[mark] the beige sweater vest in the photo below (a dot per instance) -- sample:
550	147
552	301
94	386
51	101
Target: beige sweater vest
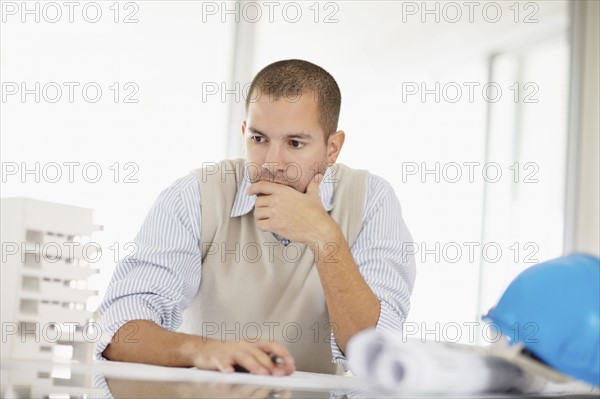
252	287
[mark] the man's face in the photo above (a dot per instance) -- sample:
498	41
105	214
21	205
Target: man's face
285	143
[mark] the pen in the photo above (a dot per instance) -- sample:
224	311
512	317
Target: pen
276	359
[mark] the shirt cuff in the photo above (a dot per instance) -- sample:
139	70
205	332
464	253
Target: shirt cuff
388	321
116	316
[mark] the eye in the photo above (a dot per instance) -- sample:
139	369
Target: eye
296	144
257	139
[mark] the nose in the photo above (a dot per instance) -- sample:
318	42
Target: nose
274	161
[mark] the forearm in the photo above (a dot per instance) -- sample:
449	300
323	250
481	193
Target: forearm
351	303
143	341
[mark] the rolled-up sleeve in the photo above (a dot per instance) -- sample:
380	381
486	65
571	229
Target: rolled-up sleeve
160	278
380	254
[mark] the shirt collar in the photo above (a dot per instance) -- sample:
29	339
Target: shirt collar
244	203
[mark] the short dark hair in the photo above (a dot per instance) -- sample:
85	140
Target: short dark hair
292	78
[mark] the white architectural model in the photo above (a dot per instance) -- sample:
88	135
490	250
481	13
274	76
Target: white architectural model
47	257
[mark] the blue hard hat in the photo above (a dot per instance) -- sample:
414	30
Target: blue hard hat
553	310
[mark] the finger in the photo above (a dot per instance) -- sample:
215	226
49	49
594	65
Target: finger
223	363
262	201
273	348
263	358
261	213
247	359
263	225
263	187
313	185
266	356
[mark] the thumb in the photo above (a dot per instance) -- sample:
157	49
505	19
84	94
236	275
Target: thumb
313	186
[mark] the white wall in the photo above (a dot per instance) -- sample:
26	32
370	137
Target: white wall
583	198
167	55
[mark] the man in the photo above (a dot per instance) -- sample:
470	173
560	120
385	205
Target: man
266	258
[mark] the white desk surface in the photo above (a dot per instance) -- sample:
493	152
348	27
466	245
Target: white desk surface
31	379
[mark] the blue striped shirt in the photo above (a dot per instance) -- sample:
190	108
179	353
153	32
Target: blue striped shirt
160	280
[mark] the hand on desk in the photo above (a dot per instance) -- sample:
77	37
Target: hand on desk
252	357
143	341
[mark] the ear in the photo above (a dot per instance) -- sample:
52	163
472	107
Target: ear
244	136
334	145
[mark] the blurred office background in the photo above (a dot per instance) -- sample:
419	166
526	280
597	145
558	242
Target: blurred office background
483	117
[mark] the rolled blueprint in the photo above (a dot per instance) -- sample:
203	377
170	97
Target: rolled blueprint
412	366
